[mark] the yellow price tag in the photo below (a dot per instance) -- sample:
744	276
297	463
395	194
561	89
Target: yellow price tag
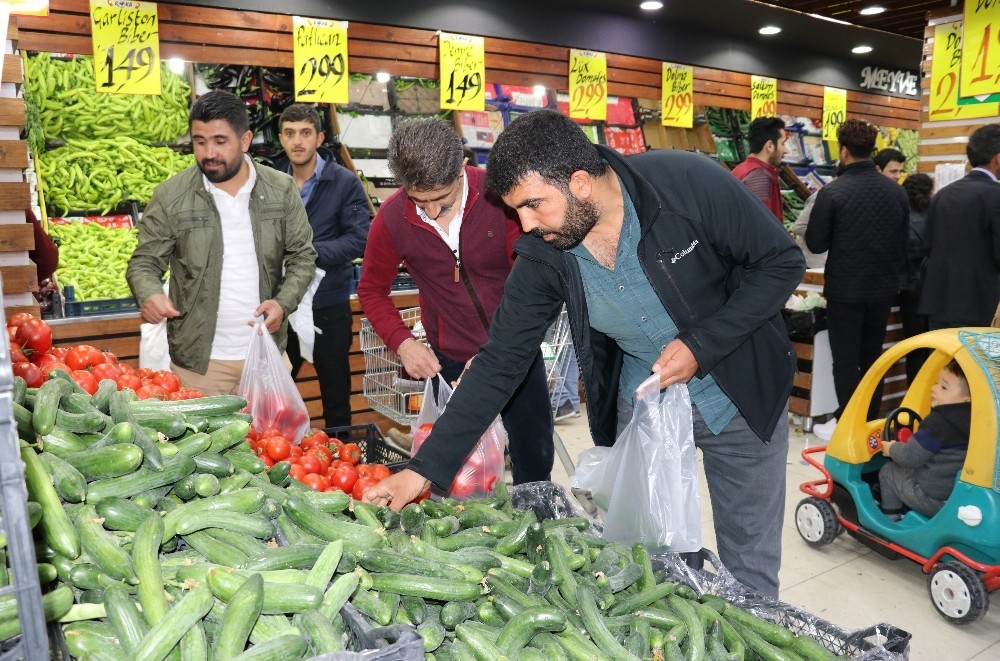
320	60
126	37
29	7
944	78
678	96
763	97
981	49
834	111
588	85
463	72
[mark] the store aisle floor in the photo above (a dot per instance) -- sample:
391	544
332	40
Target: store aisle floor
844	583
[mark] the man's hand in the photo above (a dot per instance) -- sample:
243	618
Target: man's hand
396	490
675	365
157	308
273	314
418	359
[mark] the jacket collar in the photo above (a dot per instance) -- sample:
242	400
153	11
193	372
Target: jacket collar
858	167
476	178
328	173
647	201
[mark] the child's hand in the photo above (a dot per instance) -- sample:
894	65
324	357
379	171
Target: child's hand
887	447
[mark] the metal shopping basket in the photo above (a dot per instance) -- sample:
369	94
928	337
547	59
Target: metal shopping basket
387	387
555	352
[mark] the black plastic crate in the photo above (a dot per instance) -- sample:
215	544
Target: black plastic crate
374	448
398	642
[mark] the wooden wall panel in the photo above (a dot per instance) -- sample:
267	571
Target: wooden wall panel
228	36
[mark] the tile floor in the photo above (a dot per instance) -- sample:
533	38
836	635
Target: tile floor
844	583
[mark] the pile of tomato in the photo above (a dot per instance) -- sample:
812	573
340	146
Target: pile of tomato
319	462
33	357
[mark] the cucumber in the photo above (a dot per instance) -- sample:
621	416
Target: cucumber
454	613
642	599
61	442
19	387
287	647
43	416
386	560
811	649
69	483
329	528
622	579
479	639
234	482
55	604
244	501
301	556
193	444
278	474
228	435
169	423
144	479
411	519
207	485
238	619
597	629
251	546
772	633
123	432
184	488
428	587
218	421
59	531
87	638
247	524
125	618
319	633
102	548
194	644
514	540
82	423
338	593
466	538
246	461
330	502
106	462
166	633
279	598
63	375
23	420
216	405
433	634
369	603
121	412
761	647
121	514
214	464
101	399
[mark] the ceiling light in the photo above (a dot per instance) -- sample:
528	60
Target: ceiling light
651	5
539	91
827	18
861	50
176	65
871	11
769	29
382	77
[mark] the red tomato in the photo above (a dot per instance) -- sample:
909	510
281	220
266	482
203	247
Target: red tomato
269	432
167	380
44	359
343	478
350	452
144	373
59	353
295	453
267	460
105	371
18	319
151	391
314	481
379	471
16	355
297	472
323	453
110	357
278	448
34	336
49	366
176	396
360	486
315	435
30	373
85	380
11	333
83	356
126	368
310	463
128	380
465	485
252	434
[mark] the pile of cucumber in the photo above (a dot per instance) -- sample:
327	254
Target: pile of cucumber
159	535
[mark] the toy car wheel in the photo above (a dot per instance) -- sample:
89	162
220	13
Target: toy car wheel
958	592
817	521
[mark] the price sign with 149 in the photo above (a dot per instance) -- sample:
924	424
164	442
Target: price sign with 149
463	72
126	47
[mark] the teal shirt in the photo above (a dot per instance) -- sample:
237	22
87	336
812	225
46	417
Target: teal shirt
622	305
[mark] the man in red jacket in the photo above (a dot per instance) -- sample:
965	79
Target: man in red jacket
457	244
759	173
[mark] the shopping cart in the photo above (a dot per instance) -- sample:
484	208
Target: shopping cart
556	350
386	385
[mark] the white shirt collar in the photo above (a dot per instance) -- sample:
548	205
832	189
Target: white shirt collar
244	189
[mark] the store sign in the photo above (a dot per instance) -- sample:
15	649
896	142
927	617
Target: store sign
898	82
834	111
463	72
678	96
126	38
29	7
944	100
588	85
320	60
763	97
980	67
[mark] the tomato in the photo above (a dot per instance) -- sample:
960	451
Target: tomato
269	432
350	452
151	391
34	336
343	478
49	366
16	355
323	453
278	448
110	357
11	333
144	373
30	373
85	380
314	481
125	368
59	353
379	471
105	371
267	460
295	453
44	359
167	380
128	380
466	484
297	471
363	483
315	436
252	434
83	356
18	319
309	463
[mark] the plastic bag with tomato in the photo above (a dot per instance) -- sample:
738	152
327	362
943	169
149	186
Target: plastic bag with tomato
483	466
272	397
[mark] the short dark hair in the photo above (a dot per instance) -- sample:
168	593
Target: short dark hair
763	129
300	112
886	156
220	104
984	144
858	136
957	370
425	154
919	188
544	142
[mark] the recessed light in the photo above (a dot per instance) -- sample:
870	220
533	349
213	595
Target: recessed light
176	65
538	90
829	18
651	5
382	77
769	29
871	11
861	50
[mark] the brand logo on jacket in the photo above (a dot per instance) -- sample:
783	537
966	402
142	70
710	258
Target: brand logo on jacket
678	256
893	82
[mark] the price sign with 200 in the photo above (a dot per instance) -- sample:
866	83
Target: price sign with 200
325	71
467	86
586	97
121	68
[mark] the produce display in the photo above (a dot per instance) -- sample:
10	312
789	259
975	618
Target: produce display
63	93
102	173
93	258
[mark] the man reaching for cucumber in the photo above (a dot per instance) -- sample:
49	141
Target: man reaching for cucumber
666	264
238	245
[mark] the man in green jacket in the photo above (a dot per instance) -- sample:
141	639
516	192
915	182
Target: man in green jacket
237	242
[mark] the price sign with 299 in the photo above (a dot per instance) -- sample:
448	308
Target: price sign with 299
126	46
320	60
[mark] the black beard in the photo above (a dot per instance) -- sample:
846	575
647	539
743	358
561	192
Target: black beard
579	219
227	172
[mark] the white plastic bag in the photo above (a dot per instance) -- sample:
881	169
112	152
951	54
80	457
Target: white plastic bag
154	352
301	321
647	483
272	397
484	465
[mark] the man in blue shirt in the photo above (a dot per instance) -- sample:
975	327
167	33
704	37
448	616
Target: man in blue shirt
339	214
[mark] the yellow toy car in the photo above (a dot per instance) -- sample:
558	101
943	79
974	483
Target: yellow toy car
959	547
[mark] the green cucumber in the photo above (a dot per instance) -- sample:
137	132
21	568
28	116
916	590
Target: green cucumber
338	593
300	556
101	399
772	633
428	587
387	560
19	388
248	524
319	633
238	619
480	640
59	531
228	435
328	527
121	514
326	565
144	479
279	598
169	631
123	432
287	647
125	618
193	444
214	463
61	442
102	548
43	416
55	604
216	405
247	461
597	629
207	485
107	462
81	423
70	484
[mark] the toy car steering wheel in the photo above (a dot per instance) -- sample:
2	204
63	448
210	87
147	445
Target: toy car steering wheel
894	426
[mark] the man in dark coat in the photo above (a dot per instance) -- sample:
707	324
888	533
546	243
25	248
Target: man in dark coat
962	282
